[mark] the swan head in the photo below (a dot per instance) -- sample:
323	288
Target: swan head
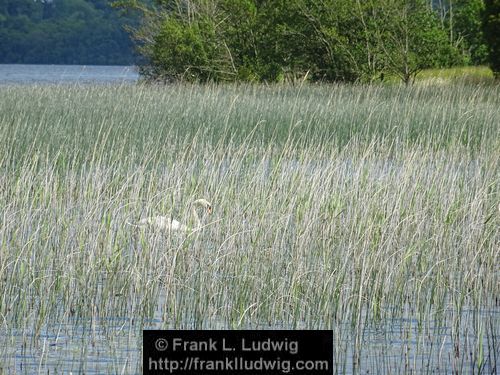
205	204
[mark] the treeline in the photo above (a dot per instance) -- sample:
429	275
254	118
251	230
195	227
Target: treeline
63	32
323	40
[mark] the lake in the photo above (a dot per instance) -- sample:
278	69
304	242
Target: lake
29	74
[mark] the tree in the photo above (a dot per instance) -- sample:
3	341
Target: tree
468	31
491	27
276	40
184	40
463	21
410	38
62	32
338	40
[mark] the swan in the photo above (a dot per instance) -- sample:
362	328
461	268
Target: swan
168	224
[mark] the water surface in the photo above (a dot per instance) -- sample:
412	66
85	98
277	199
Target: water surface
29	74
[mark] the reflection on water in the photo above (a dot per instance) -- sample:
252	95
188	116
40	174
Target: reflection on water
395	346
28	74
90	348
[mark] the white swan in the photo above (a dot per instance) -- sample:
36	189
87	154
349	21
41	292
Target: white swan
168	224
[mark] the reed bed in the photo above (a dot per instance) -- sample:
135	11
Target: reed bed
358	208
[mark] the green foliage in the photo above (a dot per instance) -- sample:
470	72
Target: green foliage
180	52
273	41
491	26
411	39
62	32
334	40
461	19
468	26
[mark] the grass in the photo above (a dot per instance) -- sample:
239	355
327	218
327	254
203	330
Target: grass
343	207
461	75
469	74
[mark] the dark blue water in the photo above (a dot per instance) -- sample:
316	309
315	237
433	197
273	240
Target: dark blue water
33	74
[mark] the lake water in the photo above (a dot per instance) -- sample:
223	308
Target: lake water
114	346
29	74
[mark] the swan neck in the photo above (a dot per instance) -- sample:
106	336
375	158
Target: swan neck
196	218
